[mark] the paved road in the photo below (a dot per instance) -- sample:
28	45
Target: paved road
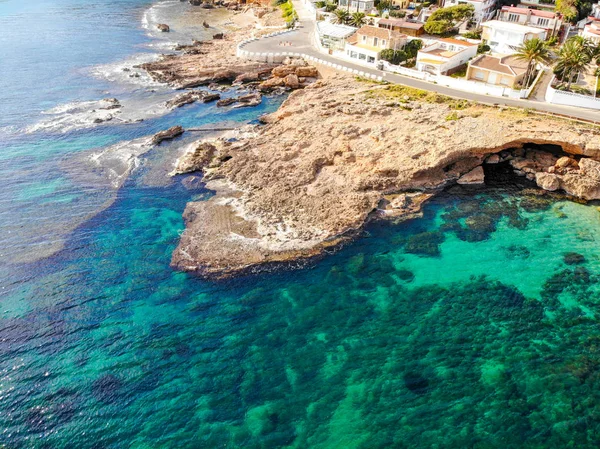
302	41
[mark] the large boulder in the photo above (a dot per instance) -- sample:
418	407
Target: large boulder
283	70
567	162
271	84
292	81
163	27
547	181
170	133
474	177
307	72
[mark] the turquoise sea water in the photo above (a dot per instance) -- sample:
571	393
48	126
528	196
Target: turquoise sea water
475	326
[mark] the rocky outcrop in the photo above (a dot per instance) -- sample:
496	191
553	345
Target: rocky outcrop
253	99
197	159
335	151
163	27
167	134
191	97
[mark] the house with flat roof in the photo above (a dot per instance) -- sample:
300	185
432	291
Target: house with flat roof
402	26
591	30
445	56
484	9
357	5
505	37
507	71
365	45
548	20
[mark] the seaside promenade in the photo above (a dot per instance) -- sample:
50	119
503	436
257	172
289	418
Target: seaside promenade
302	40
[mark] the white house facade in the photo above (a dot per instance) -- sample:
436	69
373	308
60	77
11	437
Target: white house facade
548	20
357	5
591	31
366	44
445	56
505	37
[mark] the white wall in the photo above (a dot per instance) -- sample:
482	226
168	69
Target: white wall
570	99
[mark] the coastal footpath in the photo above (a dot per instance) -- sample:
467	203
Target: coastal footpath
342	151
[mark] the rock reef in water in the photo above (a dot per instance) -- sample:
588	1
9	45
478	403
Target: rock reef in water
326	160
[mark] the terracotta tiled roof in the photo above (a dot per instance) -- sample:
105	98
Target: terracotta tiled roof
534	12
450	40
380	33
508	65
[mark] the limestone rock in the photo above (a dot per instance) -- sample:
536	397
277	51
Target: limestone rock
196	160
307	72
170	133
163	27
297	62
566	162
271	84
283	71
492	159
218	36
292	81
547	181
475	176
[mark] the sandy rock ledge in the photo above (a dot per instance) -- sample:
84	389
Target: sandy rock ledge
340	152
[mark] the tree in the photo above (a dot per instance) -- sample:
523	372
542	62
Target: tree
393	56
533	51
443	20
572	60
357	19
412	48
573	10
341	16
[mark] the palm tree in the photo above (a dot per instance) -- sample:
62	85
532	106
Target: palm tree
357	19
572	60
341	16
533	51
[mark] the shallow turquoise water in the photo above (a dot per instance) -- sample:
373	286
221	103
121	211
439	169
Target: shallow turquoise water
475	326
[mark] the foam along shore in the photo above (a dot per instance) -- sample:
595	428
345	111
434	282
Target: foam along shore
342	151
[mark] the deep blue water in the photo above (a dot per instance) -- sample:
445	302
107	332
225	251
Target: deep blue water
475	326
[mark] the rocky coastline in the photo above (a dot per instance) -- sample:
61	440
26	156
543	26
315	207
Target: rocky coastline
284	196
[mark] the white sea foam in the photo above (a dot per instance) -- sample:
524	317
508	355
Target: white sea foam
124	72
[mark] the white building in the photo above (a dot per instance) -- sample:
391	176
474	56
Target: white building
591	30
548	20
595	11
445	56
357	5
364	46
484	9
505	37
333	36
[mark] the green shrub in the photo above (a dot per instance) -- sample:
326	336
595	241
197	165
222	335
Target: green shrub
393	56
472	34
483	48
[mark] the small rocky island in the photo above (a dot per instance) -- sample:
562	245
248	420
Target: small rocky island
342	151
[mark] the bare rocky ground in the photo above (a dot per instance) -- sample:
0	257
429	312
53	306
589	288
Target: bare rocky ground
341	151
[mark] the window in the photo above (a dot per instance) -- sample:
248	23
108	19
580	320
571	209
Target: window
361	56
513	17
543	22
370	59
353	54
478	75
451	47
364	39
383	43
375	41
505	81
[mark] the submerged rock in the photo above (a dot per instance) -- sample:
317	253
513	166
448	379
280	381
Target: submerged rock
163	27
